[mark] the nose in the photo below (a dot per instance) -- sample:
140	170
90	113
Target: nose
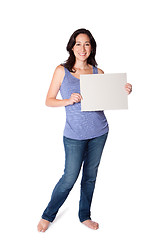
83	48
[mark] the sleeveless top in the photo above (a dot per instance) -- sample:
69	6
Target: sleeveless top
79	124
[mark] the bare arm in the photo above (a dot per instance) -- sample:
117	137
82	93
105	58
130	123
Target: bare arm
51	100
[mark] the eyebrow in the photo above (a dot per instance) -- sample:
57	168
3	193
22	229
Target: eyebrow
85	41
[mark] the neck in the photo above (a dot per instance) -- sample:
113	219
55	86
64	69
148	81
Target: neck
81	65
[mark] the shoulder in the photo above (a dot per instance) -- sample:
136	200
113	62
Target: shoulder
100	71
60	70
59	74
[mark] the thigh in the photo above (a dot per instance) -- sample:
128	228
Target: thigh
74	155
93	154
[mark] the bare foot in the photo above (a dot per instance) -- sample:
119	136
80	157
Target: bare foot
91	224
43	225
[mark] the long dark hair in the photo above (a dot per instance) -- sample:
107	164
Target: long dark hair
69	63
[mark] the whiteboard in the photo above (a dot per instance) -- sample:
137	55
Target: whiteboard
103	91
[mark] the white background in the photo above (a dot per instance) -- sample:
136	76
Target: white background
34	35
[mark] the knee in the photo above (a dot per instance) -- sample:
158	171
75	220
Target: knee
88	180
90	176
68	182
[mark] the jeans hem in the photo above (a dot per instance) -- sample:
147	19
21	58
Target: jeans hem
48	219
84	219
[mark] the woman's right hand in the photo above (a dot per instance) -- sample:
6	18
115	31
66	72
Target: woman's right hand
74	98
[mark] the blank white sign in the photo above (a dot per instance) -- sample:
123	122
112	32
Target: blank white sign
103	91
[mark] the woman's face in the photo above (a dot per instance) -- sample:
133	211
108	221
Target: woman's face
82	47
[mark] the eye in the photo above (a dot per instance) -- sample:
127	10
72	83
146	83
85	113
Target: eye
77	44
87	44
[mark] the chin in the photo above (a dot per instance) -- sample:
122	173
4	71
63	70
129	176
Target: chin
82	58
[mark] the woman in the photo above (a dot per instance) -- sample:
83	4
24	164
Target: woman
85	133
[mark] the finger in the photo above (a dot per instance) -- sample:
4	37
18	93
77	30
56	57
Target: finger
128	84
77	99
128	88
76	94
79	96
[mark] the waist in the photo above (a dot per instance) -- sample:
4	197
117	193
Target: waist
85	125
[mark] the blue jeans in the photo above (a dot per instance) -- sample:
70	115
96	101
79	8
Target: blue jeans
77	152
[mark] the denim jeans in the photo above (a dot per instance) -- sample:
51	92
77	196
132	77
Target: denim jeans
77	152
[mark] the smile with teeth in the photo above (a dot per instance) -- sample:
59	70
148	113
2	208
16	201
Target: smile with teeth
82	54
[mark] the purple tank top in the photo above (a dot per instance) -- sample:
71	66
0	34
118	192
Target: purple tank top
80	125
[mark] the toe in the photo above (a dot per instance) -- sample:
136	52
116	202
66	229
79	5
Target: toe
39	227
91	224
96	226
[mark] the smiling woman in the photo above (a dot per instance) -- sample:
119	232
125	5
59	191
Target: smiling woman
85	133
82	47
82	42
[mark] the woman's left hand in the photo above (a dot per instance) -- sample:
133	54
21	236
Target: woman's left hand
128	88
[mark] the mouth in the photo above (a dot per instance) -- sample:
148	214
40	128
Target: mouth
82	54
